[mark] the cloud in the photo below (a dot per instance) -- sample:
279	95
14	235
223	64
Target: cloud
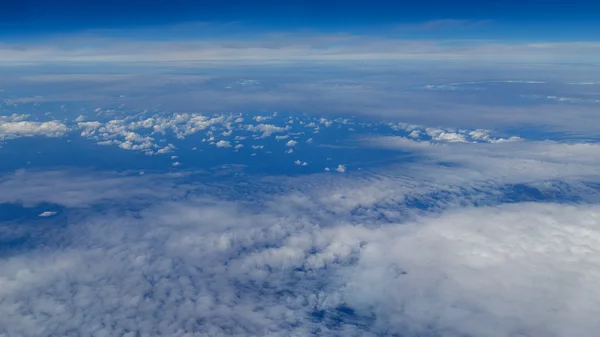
486	236
444	25
297	46
267	129
77	189
47	214
291	143
29	129
300	261
465	272
223	143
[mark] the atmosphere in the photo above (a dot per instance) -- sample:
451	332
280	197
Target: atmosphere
69	30
299	168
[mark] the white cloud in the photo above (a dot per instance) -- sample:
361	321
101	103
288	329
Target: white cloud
261	118
167	149
266	129
271	266
341	168
414	134
343	254
223	143
9	129
46	214
290	46
291	143
325	122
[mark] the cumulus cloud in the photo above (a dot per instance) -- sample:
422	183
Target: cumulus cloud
341	168
291	143
267	129
223	143
22	128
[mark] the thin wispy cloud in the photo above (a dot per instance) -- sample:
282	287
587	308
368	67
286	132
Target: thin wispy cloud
294	46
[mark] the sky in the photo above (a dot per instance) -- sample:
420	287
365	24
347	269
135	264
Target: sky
67	30
277	168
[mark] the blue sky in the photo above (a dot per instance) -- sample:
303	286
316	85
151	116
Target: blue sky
537	20
182	30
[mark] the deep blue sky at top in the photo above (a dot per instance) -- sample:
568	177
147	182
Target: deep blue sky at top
543	20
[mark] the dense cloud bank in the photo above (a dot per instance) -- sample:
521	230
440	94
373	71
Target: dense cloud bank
418	250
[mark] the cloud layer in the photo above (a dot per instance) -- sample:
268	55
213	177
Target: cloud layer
103	46
321	254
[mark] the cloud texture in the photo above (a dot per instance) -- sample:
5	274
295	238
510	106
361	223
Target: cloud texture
317	255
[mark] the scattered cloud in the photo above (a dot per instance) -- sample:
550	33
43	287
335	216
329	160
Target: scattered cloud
46	214
223	143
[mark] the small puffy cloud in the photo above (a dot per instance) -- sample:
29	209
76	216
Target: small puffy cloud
239	146
291	143
167	149
256	147
223	143
325	122
88	128
309	141
327	169
176	164
445	136
301	163
341	168
266	129
414	134
261	118
282	137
